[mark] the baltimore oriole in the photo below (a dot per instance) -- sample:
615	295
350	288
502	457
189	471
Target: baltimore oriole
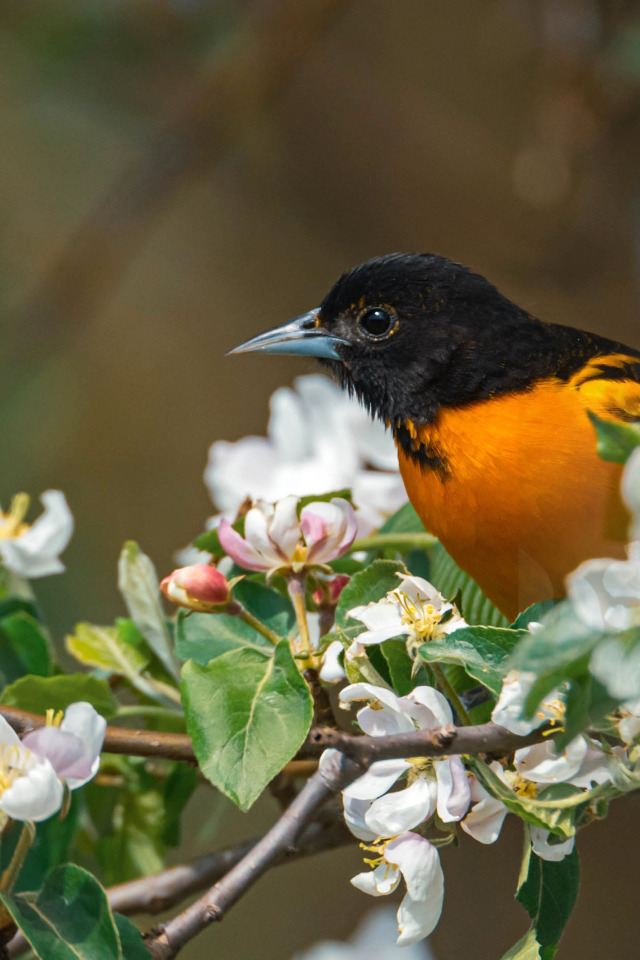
488	407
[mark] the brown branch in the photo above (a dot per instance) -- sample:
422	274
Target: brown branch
337	772
443	741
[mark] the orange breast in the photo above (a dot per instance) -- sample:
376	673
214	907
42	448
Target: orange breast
526	497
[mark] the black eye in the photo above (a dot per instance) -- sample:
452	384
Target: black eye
378	323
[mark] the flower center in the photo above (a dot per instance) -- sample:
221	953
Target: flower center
12	764
12	524
423	620
53	717
524	788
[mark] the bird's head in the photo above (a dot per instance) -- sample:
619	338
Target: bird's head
406	333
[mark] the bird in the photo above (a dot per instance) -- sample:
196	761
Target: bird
489	408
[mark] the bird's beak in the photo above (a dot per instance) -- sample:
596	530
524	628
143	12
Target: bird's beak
299	337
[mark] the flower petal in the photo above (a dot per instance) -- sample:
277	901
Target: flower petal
547	851
284	529
379	778
36	552
36	795
454	794
379	882
399	812
428	708
354	814
541	764
418	862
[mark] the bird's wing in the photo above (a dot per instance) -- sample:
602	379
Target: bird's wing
609	386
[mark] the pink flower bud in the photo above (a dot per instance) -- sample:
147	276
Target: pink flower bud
330	591
199	587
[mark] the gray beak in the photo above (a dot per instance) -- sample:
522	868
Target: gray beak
299	337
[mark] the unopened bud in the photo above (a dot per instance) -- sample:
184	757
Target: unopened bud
329	593
199	587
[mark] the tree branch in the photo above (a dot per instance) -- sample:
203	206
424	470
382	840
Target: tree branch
337	772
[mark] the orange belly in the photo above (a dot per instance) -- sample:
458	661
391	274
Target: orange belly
526	497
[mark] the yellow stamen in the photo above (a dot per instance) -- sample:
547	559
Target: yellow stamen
54	717
12	763
12	524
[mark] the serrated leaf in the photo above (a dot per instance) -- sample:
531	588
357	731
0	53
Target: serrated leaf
267	605
450	580
616	440
368	586
138	584
548	891
247	714
554	812
483	652
204	636
69	919
37	694
22	637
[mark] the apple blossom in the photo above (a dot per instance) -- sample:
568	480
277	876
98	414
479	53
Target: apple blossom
433	785
416	860
71	743
276	539
414	609
318	440
34	550
508	711
580	764
200	587
29	786
605	593
373	940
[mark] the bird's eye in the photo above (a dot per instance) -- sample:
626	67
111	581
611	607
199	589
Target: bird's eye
378	323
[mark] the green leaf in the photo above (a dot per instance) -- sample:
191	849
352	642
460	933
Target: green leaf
555	811
267	605
533	614
247	714
344	494
616	440
558	652
69	919
37	694
131	942
368	586
138	584
483	652
134	818
450	580
404	520
22	639
548	891
587	704
204	636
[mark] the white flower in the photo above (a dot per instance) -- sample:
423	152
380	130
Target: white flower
373	940
414	609
516	687
416	860
581	764
274	537
434	785
29	786
319	440
71	743
605	593
34	551
629	724
331	670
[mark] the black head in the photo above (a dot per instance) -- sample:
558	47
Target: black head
410	333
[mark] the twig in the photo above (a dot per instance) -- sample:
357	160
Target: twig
337	772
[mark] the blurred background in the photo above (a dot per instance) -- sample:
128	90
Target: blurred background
178	175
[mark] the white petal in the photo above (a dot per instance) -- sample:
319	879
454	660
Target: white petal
8	736
284	530
36	795
418	918
507	712
256	532
90	727
428	708
384	721
36	552
541	764
484	820
354	814
454	794
331	670
418	862
379	778
395	813
379	882
367	691
546	851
